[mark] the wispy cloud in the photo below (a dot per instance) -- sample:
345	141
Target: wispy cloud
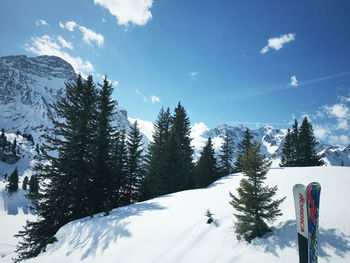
89	35
277	43
47	45
64	43
194	73
293	81
141	95
338	110
155	99
136	12
41	22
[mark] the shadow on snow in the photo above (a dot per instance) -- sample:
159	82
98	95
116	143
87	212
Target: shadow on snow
285	236
91	235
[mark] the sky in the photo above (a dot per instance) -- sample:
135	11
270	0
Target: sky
227	61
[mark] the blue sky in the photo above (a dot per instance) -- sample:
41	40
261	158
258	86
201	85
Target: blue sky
234	61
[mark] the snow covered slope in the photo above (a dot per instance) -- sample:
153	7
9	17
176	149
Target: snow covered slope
173	228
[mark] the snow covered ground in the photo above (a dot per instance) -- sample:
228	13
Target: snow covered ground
173	228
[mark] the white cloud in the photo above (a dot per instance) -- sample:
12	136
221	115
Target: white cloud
89	35
194	73
339	140
342	125
141	95
155	99
65	43
127	12
146	127
345	99
41	22
338	110
115	83
321	132
46	45
103	20
293	81
198	142
277	43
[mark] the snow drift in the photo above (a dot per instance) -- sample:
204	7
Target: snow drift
173	228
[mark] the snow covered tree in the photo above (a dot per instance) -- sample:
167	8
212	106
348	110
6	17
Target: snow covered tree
226	156
156	175
243	147
25	183
287	151
134	173
206	170
254	204
13	181
307	146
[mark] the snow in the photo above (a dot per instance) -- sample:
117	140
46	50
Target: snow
172	228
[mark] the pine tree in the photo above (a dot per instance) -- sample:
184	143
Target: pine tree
134	173
13	148
226	156
179	152
254	204
307	146
295	144
66	169
13	181
119	169
342	163
243	147
287	150
206	171
104	142
33	188
25	183
156	175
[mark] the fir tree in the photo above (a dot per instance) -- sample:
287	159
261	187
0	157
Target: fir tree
13	181
179	152
103	163
253	203
2	136
342	163
134	173
307	146
33	188
287	151
295	144
13	148
25	183
226	156
66	170
156	177
206	170
243	147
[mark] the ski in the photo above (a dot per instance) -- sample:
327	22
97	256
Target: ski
299	193
313	191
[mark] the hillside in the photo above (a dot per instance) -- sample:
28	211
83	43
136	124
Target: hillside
173	228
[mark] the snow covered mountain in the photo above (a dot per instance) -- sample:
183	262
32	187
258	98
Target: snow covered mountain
271	140
173	228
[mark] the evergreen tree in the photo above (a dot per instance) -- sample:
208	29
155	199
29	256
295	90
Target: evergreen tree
13	181
2	135
307	146
102	181
13	148
134	173
254	204
243	147
156	181
25	183
287	150
206	171
342	163
33	188
295	144
119	169
66	170
179	152
226	156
